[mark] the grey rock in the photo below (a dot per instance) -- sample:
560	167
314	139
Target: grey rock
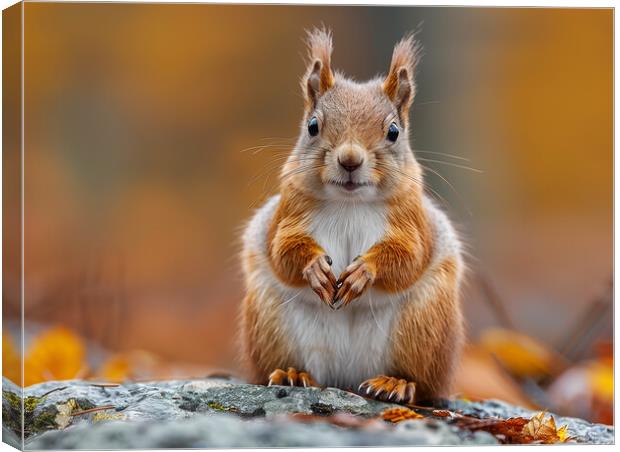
220	412
221	430
581	430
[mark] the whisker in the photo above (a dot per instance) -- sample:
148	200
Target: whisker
272	166
372	311
451	186
426	103
291	299
458	157
279	138
302	170
419	183
475	170
261	148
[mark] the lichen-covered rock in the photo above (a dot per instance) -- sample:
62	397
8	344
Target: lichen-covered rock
219	412
222	430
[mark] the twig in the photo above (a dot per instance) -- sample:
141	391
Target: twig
53	390
105	385
92	410
494	300
576	338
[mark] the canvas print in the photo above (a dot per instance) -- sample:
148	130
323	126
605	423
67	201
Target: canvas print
237	226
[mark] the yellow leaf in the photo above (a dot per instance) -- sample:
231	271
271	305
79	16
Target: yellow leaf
11	363
522	355
545	431
57	354
563	434
116	368
601	375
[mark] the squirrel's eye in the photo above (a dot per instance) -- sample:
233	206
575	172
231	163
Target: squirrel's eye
313	126
393	131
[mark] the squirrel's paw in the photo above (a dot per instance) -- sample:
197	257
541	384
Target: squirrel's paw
319	275
389	389
353	281
291	378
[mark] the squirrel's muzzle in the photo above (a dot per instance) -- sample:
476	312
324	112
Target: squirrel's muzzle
350	157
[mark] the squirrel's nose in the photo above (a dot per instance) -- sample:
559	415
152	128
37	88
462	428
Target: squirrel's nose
350	162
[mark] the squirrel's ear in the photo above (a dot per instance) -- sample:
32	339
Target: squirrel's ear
319	77
399	85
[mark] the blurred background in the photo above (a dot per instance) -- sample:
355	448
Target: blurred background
152	133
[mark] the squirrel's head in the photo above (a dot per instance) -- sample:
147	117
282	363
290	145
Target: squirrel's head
353	143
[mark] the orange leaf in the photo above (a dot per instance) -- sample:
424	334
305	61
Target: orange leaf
544	431
56	354
522	355
400	414
11	364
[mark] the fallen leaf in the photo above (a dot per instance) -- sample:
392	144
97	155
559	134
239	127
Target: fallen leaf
116	368
542	430
63	417
481	377
519	430
442	413
11	362
522	355
400	414
585	390
56	354
133	365
505	430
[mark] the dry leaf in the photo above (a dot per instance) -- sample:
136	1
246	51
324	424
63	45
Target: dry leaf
400	414
505	430
56	354
522	355
544	431
11	364
133	365
519	430
442	413
585	390
481	377
63	417
116	368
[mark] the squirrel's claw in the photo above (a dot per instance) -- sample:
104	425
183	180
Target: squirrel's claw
353	282
389	389
291	377
319	275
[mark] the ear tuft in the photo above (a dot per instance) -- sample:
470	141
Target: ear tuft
399	85
319	76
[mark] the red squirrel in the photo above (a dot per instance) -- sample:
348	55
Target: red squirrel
352	273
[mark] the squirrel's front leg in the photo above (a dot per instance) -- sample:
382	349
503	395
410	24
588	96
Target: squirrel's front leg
298	260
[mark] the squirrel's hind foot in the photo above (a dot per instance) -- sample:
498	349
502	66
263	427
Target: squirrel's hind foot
388	389
291	377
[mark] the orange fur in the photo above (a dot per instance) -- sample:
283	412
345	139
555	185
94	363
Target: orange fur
265	346
290	248
428	329
400	259
428	337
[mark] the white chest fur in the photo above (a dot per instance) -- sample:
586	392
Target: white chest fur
346	229
343	348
